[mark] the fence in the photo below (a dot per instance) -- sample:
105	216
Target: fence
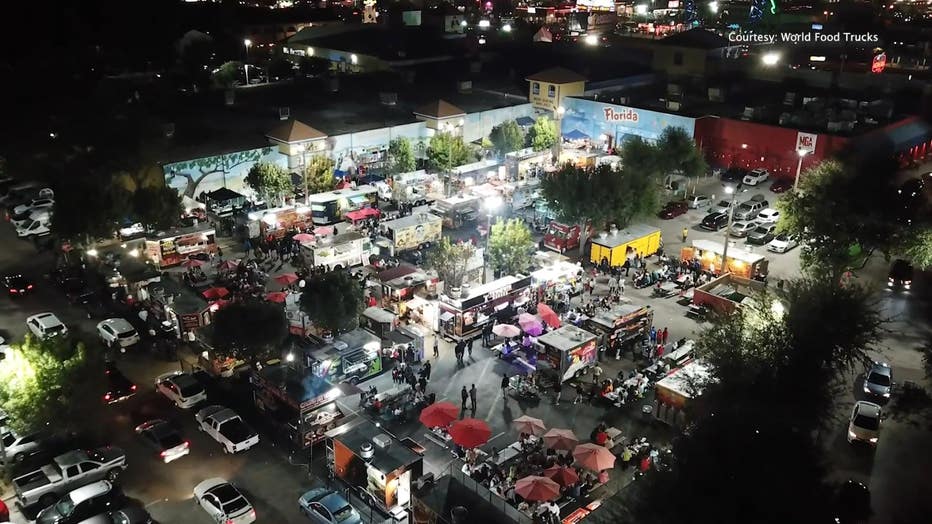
496	501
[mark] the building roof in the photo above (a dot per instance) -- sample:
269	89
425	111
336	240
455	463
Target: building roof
294	131
439	109
697	38
624	236
557	75
223	194
388	459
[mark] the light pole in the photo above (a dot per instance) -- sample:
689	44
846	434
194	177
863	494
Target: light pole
448	127
799	166
492	203
558	143
303	149
247	43
729	190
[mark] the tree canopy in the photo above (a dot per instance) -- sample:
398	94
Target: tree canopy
510	246
270	181
157	207
249	330
446	151
450	260
400	156
918	247
677	153
543	134
319	174
88	207
226	75
333	300
507	137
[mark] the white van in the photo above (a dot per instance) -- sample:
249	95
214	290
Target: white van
43	214
34	228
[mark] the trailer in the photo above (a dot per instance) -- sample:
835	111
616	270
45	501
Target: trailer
352	357
409	232
342	251
617	245
570	351
622	325
457	210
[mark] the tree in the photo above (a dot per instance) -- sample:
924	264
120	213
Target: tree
226	75
510	247
249	330
319	174
918	247
400	156
333	301
507	137
157	207
54	382
451	261
270	181
543	134
678	153
212	165
446	151
88	207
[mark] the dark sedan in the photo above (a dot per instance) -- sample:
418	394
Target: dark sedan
901	274
118	386
673	210
781	185
714	221
17	285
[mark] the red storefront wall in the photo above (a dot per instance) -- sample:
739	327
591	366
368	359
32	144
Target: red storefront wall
726	143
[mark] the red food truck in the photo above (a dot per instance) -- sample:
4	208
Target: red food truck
561	237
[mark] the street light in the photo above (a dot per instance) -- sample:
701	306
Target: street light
713	7
799	166
770	59
729	190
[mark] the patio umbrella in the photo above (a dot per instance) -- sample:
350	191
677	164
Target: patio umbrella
276	296
215	292
594	457
323	231
303	237
562	476
548	315
439	414
228	265
218	304
536	488
526	424
192	262
563	439
470	432
506	330
286	279
529	323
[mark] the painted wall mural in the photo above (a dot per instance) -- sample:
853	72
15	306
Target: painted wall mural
191	178
595	118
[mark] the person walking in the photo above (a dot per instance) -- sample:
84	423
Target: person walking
660	350
596	374
621	284
427	369
437	346
685	234
558	391
465	395
653	335
487	334
469	346
472	398
612	284
626	456
505	383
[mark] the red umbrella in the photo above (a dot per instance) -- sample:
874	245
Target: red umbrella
218	304
526	424
594	457
192	262
439	414
536	488
228	265
470	432
562	476
563	439
548	315
277	296
215	292
286	279
303	237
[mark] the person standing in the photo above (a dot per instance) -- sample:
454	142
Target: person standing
558	391
469	346
626	458
472	398
487	333
621	284
612	284
664	335
685	234
436	346
505	383
427	369
596	374
465	395
653	335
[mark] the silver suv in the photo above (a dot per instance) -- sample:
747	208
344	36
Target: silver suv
750	208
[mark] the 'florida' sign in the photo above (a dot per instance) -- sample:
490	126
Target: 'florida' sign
624	115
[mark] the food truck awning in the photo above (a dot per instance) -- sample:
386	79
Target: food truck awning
687	381
362	214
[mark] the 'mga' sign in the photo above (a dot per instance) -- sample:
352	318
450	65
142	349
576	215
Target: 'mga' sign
625	115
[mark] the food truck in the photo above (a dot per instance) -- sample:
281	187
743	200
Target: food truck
617	245
465	316
457	210
741	262
338	252
570	351
679	388
561	237
478	172
352	357
329	208
520	163
415	188
384	324
409	232
623	324
177	245
278	221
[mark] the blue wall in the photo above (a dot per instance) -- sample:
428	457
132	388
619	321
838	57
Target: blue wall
193	177
589	117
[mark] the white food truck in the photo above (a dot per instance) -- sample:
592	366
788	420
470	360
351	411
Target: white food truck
338	252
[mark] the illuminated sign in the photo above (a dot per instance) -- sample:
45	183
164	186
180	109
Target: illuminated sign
806	142
625	115
879	63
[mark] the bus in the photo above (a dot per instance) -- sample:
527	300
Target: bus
329	208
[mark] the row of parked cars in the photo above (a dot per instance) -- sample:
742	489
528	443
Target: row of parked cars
28	206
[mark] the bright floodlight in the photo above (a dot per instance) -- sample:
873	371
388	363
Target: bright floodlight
506	28
484	24
493	202
802	152
247	42
591	39
778	308
561	110
713	6
640	9
290	357
729	190
770	59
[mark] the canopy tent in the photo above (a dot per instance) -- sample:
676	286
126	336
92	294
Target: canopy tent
524	121
362	214
575	135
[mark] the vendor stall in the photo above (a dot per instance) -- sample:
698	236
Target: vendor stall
177	245
338	252
741	262
277	222
726	293
223	202
352	357
680	387
622	325
570	351
556	274
524	162
464	317
617	245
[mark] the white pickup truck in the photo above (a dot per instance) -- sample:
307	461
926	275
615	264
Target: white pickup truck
67	472
227	428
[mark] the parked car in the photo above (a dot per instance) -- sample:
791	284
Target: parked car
723	206
67	472
762	234
17	285
45	325
768	215
782	243
165	438
119	387
227	428
129	231
853	503
323	506
698	201
755	177
733	175
878	381
20	447
223	502
35	203
117	331
81	503
781	185
749	209
34	228
714	221
181	388
128	515
741	228
673	209
901	274
864	424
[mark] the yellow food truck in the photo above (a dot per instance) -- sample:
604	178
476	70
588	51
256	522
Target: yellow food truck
616	245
